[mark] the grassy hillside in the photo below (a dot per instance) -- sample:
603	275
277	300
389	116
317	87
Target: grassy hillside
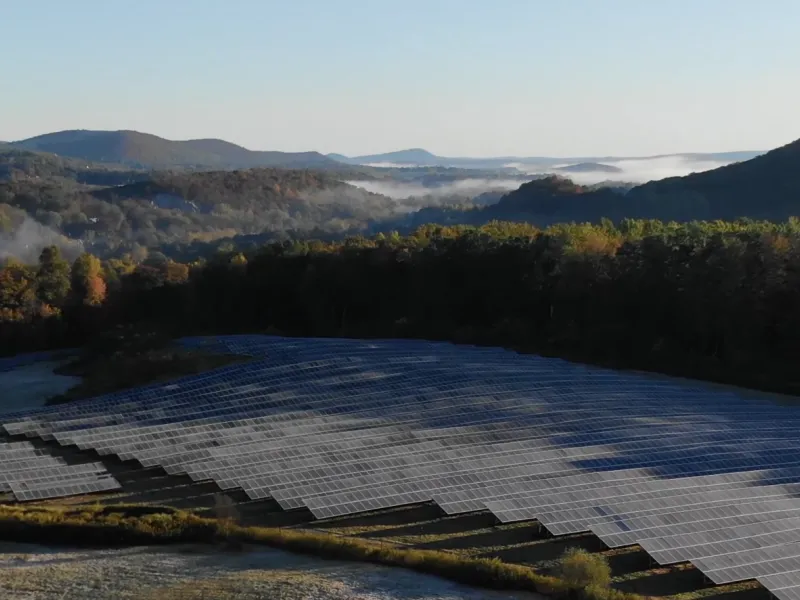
150	151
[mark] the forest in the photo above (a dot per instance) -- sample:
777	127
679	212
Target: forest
715	300
111	210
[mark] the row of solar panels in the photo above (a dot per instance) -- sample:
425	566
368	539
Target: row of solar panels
344	426
32	474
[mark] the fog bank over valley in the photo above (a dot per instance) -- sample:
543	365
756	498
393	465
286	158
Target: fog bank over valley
27	240
582	170
634	170
464	187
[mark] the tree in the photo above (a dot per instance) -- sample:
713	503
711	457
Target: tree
17	290
52	278
580	570
88	285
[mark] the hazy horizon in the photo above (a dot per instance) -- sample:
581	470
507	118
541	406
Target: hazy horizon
464	78
600	157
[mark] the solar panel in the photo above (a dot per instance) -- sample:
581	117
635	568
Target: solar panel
344	426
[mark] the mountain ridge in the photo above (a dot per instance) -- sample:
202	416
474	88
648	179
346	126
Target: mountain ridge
146	150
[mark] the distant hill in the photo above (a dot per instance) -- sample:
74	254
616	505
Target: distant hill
419	157
18	164
149	151
765	187
341	158
413	156
589	167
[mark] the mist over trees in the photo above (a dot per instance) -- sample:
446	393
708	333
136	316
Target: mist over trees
187	213
112	210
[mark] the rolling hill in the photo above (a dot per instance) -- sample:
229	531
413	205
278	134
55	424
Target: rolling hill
149	151
16	164
181	207
589	167
412	156
764	187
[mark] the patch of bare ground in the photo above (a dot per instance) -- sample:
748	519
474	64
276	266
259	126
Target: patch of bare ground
190	572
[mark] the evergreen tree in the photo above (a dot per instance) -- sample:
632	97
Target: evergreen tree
52	278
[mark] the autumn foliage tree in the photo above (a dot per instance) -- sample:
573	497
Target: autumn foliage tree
88	285
17	291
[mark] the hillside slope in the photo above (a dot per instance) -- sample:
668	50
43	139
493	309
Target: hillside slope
765	187
150	151
414	156
18	164
185	207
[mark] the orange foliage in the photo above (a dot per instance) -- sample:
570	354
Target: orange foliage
95	291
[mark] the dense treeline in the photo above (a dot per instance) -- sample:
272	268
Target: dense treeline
711	299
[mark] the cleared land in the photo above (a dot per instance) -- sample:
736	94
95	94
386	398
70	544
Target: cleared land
194	572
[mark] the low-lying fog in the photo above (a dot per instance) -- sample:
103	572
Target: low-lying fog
633	170
638	170
463	187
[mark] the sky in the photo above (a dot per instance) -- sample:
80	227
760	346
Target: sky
456	77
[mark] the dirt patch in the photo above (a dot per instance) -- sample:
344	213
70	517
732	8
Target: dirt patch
187	572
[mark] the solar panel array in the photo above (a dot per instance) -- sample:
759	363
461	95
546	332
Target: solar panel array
692	473
32	474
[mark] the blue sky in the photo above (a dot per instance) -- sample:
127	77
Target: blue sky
458	77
